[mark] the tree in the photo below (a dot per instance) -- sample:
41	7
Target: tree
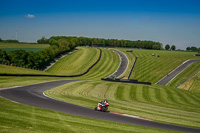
188	48
43	40
194	49
156	47
0	40
167	47
173	47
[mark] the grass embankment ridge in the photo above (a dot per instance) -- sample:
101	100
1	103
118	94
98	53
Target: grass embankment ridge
76	63
158	103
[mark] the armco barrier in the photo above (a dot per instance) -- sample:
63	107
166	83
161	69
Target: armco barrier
132	67
127	81
43	75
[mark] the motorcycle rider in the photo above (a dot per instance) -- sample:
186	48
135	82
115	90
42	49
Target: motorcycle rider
100	103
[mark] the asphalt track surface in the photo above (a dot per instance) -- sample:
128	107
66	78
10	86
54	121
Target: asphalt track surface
175	72
123	65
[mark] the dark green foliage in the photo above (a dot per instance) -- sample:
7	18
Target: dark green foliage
173	47
188	48
18	57
194	49
167	47
84	41
40	59
43	40
0	40
62	44
3	57
10	41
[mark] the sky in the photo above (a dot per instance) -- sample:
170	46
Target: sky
173	22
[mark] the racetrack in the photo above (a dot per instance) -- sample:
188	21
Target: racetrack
175	72
123	65
33	95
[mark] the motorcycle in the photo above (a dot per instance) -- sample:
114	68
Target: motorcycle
102	106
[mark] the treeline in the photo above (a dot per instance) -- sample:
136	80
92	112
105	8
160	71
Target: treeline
62	44
36	60
84	41
9	41
193	49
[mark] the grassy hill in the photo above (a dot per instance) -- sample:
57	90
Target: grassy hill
107	65
76	63
158	103
150	68
81	60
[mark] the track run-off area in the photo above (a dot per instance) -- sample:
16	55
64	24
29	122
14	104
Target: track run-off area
34	95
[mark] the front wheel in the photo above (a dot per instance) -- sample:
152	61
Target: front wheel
95	108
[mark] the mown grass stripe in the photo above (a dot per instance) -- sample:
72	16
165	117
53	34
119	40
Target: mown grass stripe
119	93
132	94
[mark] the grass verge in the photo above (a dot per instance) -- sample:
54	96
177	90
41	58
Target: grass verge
159	103
21	118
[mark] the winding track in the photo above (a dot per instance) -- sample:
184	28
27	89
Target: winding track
123	65
165	80
34	95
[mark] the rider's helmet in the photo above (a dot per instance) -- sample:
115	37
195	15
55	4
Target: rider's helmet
105	101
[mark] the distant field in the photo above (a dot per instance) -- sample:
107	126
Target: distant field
158	103
150	68
76	63
26	49
22	45
185	74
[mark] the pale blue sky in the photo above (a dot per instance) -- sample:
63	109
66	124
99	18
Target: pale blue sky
169	22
